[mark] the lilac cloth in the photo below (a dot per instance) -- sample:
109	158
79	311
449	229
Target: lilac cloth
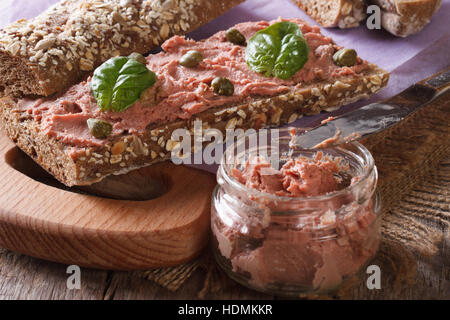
409	60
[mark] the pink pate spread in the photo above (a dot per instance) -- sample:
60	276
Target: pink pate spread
283	250
182	92
300	177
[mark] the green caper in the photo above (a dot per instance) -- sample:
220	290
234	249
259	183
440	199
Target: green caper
223	86
191	59
99	128
345	57
234	36
138	57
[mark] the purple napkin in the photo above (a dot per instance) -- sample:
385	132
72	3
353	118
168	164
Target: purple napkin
409	60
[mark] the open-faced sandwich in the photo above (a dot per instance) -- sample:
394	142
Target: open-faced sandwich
121	117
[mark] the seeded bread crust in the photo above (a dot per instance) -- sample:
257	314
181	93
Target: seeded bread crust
129	152
403	18
56	49
336	13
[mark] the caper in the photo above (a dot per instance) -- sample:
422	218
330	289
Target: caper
138	57
99	128
345	57
223	86
234	36
191	59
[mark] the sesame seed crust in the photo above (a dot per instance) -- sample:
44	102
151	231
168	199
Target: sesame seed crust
56	49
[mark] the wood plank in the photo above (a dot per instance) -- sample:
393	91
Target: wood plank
432	281
23	277
26	278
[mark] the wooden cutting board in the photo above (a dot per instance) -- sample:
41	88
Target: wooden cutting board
42	218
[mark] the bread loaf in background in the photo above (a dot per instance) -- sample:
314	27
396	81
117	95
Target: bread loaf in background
56	49
405	17
402	18
334	13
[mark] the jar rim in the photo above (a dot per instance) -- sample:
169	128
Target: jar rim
369	166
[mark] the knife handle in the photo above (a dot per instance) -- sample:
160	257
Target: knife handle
438	81
423	92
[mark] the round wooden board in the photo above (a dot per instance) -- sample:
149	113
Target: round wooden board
47	222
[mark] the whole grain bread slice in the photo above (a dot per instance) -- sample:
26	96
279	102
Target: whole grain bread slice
56	49
335	13
403	18
128	152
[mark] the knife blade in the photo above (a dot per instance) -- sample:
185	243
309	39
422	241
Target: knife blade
377	116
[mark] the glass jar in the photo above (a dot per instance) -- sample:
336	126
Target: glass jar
295	245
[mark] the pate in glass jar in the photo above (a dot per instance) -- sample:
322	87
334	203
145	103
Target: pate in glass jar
302	225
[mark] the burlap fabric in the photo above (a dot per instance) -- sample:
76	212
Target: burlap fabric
413	160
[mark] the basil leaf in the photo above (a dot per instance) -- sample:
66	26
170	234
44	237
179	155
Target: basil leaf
279	50
119	82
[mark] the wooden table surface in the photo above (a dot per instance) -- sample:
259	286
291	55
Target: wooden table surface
23	277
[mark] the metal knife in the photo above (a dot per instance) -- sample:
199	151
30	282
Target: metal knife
377	116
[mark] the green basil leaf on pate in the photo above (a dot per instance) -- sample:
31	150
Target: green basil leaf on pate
279	50
119	82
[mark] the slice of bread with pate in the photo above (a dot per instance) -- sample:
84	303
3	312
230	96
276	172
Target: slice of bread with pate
54	131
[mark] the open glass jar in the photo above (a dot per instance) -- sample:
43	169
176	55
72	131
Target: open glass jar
287	245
